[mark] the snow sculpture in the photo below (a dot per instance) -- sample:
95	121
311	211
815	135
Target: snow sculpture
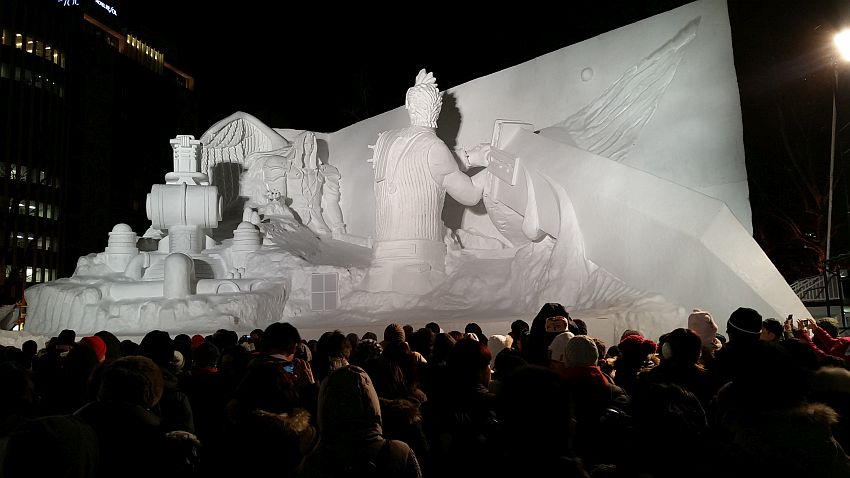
283	176
413	172
608	209
125	290
121	247
179	276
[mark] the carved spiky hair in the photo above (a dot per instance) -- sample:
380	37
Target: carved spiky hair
423	100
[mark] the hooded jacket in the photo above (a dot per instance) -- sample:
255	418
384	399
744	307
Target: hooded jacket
351	441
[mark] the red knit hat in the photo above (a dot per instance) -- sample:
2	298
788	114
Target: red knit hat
637	345
97	344
197	340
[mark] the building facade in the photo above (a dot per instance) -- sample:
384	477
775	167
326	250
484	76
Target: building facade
87	105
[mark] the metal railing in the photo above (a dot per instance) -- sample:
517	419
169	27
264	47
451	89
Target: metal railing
811	289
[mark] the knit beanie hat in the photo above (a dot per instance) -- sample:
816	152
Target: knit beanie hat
134	379
206	355
773	326
158	346
497	343
744	320
97	344
703	324
66	337
197	340
178	361
635	345
558	347
394	333
581	352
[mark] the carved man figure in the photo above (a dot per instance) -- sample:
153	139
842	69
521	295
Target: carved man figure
304	183
414	170
294	177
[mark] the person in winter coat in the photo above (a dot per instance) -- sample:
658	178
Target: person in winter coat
351	438
597	401
825	343
131	439
769	428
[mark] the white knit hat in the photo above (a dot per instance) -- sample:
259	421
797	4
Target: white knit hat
558	347
497	343
581	351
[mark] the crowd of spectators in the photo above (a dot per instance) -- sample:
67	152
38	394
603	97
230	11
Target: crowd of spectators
768	398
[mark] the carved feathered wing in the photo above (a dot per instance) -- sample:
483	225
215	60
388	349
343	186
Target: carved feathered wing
610	124
227	145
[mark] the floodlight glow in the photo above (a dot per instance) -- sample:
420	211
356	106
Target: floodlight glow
842	43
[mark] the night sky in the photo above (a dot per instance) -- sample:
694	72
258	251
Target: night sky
322	67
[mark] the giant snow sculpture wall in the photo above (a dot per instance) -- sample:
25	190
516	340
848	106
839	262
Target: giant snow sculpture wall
648	215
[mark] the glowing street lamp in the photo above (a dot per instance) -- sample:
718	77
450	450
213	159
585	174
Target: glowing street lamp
842	44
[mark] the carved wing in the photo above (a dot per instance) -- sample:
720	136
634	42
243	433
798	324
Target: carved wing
236	137
229	144
610	124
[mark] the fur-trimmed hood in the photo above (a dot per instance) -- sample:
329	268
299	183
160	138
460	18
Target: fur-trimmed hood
399	413
804	415
293	427
796	440
293	423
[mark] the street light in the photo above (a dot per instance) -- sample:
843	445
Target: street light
842	44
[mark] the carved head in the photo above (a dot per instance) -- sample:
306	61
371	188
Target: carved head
264	180
424	100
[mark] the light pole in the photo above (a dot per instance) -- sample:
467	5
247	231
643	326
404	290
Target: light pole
842	44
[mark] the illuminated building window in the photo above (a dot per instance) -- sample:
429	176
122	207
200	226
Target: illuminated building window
30	44
29	274
39	48
19	239
5	37
19	41
325	291
38	274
